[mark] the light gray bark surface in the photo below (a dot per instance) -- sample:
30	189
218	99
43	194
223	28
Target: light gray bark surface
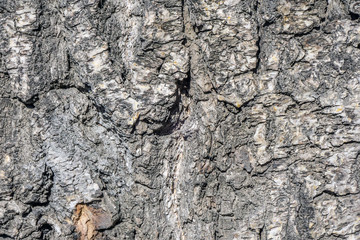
170	119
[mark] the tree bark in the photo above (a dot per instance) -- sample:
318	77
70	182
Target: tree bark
179	119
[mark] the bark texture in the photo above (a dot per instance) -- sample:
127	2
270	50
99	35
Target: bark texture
179	119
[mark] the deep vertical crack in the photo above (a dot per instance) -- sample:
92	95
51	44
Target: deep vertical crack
258	44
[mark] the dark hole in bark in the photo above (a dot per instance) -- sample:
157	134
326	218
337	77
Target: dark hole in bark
354	16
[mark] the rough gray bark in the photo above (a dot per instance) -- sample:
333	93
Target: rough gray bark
170	119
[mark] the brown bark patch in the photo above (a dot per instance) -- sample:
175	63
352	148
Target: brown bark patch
89	220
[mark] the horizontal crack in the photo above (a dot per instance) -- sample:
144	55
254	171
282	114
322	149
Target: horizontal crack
334	194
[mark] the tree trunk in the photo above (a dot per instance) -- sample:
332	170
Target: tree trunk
170	119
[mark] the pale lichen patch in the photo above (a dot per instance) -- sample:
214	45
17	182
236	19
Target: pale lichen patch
134	118
7	159
339	109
